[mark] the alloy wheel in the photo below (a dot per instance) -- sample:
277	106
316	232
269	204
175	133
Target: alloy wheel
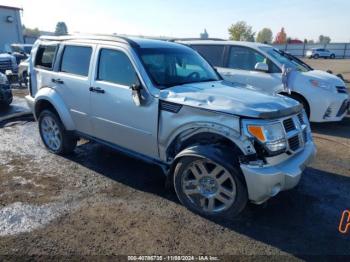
208	186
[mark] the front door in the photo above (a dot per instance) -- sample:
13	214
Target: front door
241	68
115	117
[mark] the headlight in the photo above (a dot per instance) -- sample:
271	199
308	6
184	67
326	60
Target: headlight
321	84
270	135
3	79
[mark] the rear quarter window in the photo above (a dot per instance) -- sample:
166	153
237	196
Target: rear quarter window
212	53
76	60
45	56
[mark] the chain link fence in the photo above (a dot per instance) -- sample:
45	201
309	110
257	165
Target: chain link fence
341	50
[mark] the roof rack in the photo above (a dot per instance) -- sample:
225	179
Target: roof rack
194	39
112	38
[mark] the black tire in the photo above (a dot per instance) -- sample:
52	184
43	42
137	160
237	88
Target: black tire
316	56
24	78
235	172
68	140
302	101
332	56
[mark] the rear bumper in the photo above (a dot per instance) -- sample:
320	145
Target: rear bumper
267	181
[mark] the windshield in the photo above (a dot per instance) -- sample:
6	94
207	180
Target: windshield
287	59
176	66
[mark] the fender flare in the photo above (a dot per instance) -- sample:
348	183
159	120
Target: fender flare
51	96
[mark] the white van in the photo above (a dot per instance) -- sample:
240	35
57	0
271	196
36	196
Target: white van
323	95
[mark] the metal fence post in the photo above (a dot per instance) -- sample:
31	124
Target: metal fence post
345	50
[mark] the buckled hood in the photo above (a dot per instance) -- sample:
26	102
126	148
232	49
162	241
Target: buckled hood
231	98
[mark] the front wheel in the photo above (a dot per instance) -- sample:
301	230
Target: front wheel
209	188
332	56
53	134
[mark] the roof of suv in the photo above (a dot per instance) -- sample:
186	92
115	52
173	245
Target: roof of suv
224	42
132	41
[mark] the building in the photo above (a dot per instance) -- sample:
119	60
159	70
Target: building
10	27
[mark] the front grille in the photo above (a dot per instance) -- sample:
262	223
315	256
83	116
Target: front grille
294	143
341	89
343	108
301	118
289	125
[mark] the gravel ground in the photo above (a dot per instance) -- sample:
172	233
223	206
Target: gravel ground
99	202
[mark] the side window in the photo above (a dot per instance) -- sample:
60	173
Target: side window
76	60
212	53
244	58
45	56
115	67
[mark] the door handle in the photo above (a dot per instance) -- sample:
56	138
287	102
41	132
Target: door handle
57	81
97	90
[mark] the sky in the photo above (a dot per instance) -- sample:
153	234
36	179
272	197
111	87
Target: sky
188	18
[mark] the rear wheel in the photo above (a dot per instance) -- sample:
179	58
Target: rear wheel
316	56
332	56
209	188
53	134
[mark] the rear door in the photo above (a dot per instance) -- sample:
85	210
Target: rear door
72	82
115	117
214	54
240	67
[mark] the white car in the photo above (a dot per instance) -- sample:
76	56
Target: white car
319	52
323	95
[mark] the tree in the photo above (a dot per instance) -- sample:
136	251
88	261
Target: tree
28	32
264	36
61	29
240	31
281	37
204	35
324	39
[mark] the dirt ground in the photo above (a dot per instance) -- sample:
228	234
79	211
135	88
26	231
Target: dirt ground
98	202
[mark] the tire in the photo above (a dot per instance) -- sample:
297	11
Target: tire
53	134
316	56
332	56
24	79
302	101
199	196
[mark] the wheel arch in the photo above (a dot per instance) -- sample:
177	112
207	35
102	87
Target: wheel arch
205	143
49	99
301	97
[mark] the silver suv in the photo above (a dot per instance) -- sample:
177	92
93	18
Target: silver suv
220	144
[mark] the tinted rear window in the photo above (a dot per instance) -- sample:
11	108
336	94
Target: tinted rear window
212	53
76	60
45	56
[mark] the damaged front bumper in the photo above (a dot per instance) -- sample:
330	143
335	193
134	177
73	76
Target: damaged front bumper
264	182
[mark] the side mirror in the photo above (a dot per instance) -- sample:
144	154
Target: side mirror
262	67
136	92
